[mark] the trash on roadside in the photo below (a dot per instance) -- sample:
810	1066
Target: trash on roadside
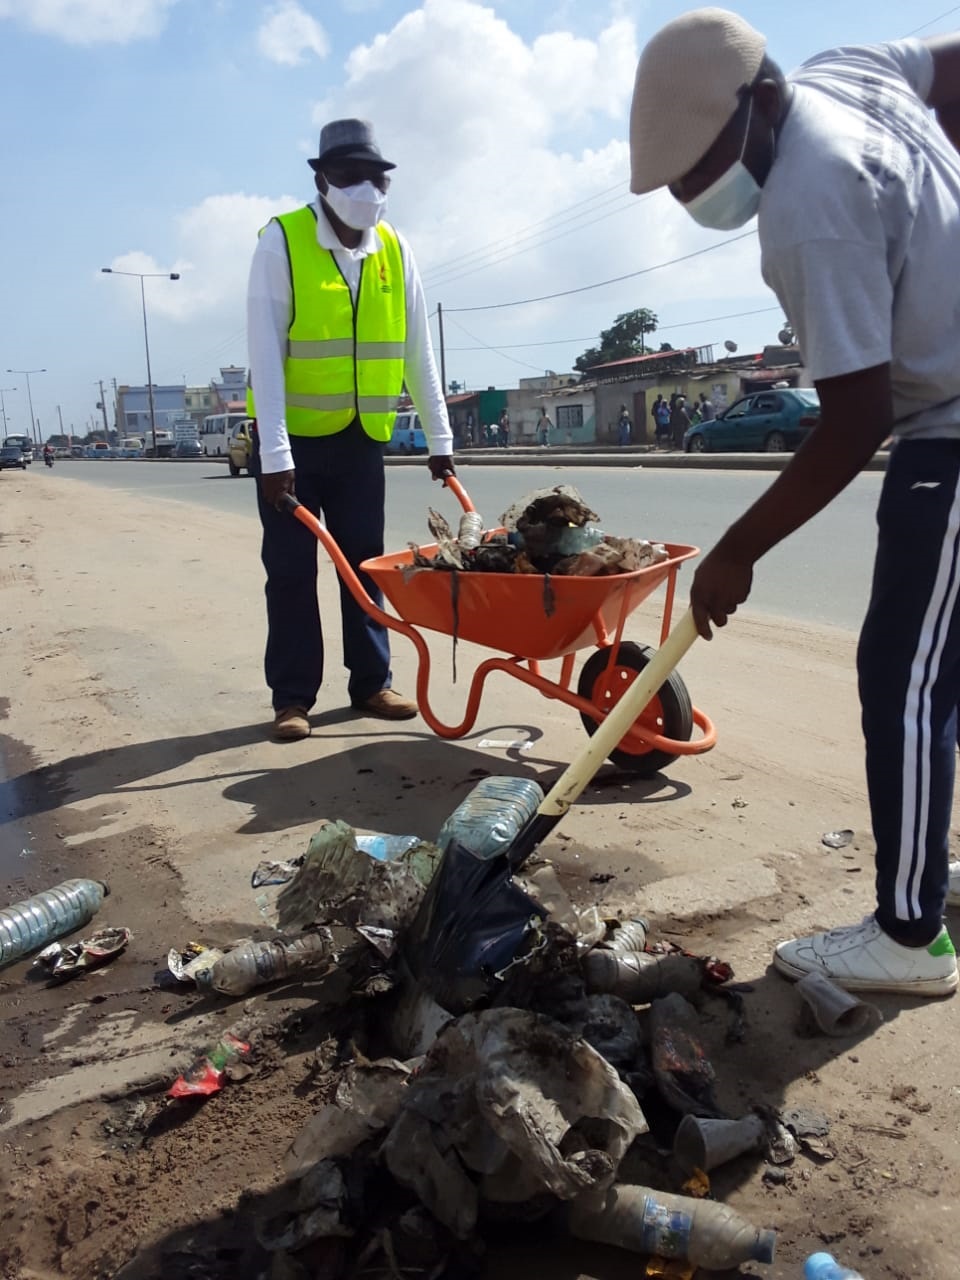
29	925
339	884
626	936
782	1146
506	744
684	1074
709	1235
195	958
367	1099
206	1074
697	1186
65	960
641	977
701	1144
834	1011
805	1123
506	1106
669	1269
837	839
270	872
248	964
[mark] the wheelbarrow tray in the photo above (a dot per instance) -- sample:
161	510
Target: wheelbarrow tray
535	616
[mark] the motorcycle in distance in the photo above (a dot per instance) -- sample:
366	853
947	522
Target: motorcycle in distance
48	456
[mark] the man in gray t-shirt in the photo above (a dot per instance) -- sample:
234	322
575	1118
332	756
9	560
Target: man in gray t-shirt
857	187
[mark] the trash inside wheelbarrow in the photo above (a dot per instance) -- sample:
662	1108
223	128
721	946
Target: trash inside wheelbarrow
531	615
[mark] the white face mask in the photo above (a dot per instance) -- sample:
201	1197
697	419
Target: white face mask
733	199
360	206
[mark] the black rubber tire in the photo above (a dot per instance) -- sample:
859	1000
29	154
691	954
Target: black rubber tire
697	444
775	442
677	719
232	467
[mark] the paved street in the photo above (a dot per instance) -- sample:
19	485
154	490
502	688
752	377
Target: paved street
821	575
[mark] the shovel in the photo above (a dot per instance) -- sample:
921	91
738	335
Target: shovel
475	920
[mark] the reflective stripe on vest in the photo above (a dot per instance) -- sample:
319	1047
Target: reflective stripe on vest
342	361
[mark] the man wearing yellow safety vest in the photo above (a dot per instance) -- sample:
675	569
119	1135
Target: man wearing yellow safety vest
336	325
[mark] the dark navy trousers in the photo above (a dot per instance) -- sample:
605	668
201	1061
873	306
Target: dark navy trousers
341	478
908	663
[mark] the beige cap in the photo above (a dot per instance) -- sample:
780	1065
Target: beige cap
688	80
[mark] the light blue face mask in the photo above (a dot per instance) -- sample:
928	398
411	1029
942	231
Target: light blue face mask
733	199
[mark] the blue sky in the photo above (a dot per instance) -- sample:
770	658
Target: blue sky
160	134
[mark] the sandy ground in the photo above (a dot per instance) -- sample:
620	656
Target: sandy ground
134	747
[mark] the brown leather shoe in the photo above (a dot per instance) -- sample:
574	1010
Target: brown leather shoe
290	724
388	705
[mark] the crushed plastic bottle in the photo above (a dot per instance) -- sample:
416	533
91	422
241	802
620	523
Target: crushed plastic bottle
490	817
385	848
573	539
824	1266
27	926
255	964
470	531
639	977
629	936
704	1232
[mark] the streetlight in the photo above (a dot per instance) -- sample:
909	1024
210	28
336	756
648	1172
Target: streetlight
33	426
3	407
141	276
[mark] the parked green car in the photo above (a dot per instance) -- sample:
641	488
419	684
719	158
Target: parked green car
767	421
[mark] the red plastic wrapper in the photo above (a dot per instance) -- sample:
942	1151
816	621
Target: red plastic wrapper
206	1074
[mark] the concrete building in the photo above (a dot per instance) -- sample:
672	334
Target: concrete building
133	408
230	389
199	402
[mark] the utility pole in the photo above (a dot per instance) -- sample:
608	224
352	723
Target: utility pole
103	408
62	432
3	407
116	412
443	354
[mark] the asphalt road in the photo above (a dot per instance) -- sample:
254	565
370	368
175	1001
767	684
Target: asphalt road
821	574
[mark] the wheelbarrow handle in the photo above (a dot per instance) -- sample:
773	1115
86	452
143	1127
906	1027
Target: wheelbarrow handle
459	492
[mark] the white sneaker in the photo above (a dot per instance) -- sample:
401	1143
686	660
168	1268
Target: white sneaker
861	957
953	889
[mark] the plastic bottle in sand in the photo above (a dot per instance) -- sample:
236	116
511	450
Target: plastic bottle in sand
639	977
27	926
824	1266
491	815
254	964
470	533
704	1232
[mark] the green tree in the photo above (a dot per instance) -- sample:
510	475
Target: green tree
623	339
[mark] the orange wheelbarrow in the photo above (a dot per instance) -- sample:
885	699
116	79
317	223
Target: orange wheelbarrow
533	618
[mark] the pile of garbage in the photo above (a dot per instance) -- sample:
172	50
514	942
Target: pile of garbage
547	531
576	1095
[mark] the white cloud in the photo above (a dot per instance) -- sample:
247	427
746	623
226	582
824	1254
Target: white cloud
216	240
288	33
90	21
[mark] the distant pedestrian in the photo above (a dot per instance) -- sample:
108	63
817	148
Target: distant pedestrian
655	415
544	427
624	427
663	422
679	421
707	410
503	429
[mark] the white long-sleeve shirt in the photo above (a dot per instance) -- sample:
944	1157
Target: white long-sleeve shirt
269	309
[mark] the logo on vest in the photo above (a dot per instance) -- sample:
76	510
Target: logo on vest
384	284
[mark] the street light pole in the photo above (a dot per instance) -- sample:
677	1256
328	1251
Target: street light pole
3	407
141	276
26	373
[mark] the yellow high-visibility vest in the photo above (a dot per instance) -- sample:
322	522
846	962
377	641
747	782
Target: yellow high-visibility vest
343	361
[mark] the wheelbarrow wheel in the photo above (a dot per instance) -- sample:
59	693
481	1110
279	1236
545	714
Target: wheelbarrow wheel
669	713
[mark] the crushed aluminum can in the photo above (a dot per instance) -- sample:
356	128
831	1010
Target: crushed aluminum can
837	839
64	960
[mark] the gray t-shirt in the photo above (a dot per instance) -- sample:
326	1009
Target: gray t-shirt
860	229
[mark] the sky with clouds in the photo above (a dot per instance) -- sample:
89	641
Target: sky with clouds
159	135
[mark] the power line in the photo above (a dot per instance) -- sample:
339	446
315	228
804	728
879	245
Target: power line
496	350
524	231
663	328
512	252
939	18
630	275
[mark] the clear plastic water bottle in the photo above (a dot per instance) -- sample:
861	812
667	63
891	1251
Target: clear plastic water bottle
470	531
575	539
641	977
710	1235
254	964
487	821
385	848
28	926
629	937
824	1266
